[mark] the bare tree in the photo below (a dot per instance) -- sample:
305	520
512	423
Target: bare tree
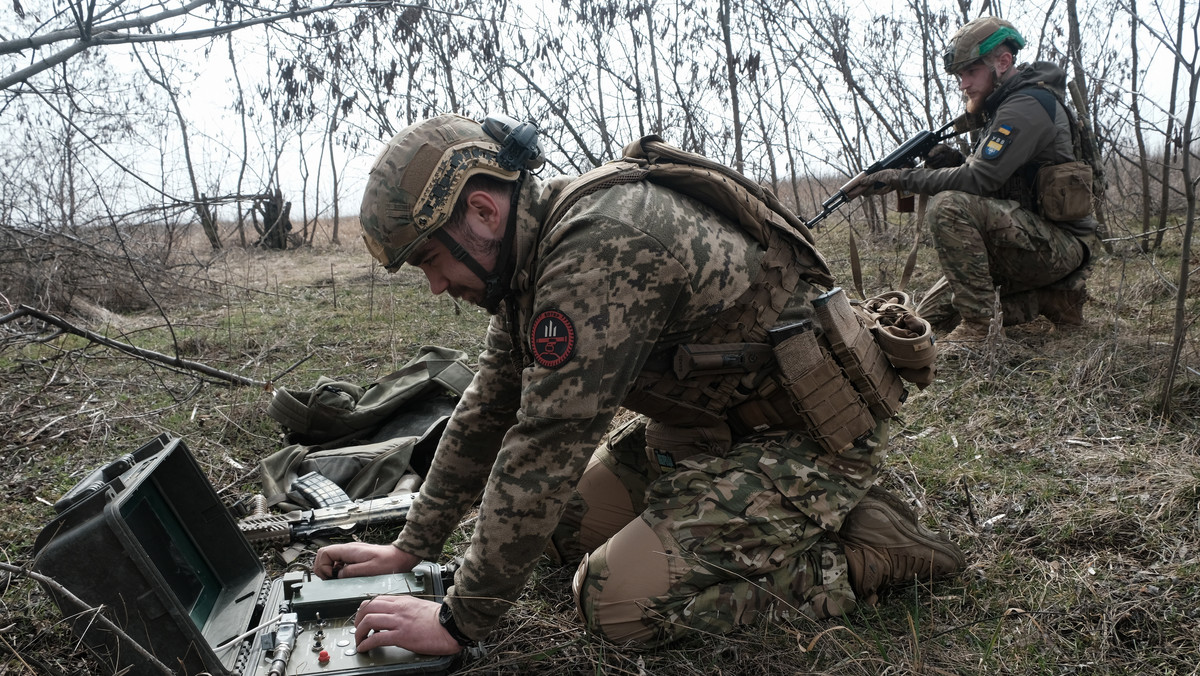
204	208
1188	63
725	19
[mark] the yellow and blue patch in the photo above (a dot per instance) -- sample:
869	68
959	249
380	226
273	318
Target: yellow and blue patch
998	141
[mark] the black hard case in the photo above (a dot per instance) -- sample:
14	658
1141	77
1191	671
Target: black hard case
150	515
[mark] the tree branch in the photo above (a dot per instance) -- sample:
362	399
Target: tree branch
64	593
141	353
117	33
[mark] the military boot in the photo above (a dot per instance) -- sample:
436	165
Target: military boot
885	545
1062	306
966	337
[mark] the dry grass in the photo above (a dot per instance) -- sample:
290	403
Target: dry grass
1078	506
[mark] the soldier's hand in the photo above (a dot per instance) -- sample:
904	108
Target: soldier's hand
404	621
359	559
942	156
878	183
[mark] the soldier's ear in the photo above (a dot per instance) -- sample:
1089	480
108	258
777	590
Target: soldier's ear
487	209
1005	61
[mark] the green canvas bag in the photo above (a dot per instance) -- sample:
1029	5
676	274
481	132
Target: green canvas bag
370	441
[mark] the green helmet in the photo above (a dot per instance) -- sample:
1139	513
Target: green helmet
418	176
974	40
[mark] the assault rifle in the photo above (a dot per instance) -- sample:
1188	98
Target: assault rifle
263	529
904	157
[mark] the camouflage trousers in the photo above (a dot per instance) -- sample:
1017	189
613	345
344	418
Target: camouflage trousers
984	244
713	542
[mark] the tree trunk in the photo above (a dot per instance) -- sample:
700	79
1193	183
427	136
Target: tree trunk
726	20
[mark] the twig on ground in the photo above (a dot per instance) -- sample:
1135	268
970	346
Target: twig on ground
108	624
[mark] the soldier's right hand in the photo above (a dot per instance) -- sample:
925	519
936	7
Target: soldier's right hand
359	559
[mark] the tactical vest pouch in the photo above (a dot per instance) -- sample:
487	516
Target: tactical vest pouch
832	410
854	345
1064	191
721	359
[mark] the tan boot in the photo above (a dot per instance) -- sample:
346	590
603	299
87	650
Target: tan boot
1063	307
968	336
885	545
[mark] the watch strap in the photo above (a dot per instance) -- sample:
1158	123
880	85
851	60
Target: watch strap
446	619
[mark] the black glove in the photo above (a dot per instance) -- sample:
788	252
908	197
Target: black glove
942	156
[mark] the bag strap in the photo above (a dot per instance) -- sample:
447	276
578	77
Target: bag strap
294	410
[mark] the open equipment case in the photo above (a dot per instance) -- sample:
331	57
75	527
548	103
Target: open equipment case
147	538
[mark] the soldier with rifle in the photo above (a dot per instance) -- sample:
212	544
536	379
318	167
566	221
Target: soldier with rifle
721	505
1015	215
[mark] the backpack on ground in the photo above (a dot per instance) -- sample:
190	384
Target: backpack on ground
371	441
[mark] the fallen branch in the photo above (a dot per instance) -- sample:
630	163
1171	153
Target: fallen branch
141	353
108	624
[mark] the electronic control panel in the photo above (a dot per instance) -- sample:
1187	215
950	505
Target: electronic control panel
314	631
182	581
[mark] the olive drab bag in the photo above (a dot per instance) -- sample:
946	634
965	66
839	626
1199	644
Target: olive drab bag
370	441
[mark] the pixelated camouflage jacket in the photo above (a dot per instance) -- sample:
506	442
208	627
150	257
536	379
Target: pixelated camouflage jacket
628	271
1019	136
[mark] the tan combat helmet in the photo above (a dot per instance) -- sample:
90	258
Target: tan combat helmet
419	174
974	40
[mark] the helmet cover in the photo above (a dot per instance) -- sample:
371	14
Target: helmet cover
975	39
416	180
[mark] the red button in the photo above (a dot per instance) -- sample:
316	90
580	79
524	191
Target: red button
323	657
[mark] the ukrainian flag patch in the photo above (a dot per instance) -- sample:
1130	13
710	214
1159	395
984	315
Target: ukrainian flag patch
998	141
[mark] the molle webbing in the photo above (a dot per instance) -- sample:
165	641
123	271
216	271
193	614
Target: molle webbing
702	398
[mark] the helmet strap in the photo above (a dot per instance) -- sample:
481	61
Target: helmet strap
498	284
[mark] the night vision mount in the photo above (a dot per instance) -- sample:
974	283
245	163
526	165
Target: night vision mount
519	145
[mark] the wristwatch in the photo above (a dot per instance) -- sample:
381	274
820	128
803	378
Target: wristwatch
446	619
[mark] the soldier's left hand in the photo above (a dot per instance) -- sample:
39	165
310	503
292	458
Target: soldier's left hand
878	183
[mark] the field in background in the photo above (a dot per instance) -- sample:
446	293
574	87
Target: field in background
1078	507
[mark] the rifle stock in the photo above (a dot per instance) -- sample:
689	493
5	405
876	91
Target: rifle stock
905	156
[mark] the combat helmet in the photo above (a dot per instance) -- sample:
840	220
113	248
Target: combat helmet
418	176
975	39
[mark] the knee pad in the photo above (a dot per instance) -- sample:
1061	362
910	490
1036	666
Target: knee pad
614	585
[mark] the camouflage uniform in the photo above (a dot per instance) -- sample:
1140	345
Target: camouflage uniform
1000	240
739	525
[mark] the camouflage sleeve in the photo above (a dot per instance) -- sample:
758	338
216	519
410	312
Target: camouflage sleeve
1020	131
466	450
611	289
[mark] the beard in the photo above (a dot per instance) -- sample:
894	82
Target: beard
974	104
472	296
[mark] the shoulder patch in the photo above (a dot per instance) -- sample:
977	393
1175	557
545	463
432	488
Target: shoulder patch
552	339
998	141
